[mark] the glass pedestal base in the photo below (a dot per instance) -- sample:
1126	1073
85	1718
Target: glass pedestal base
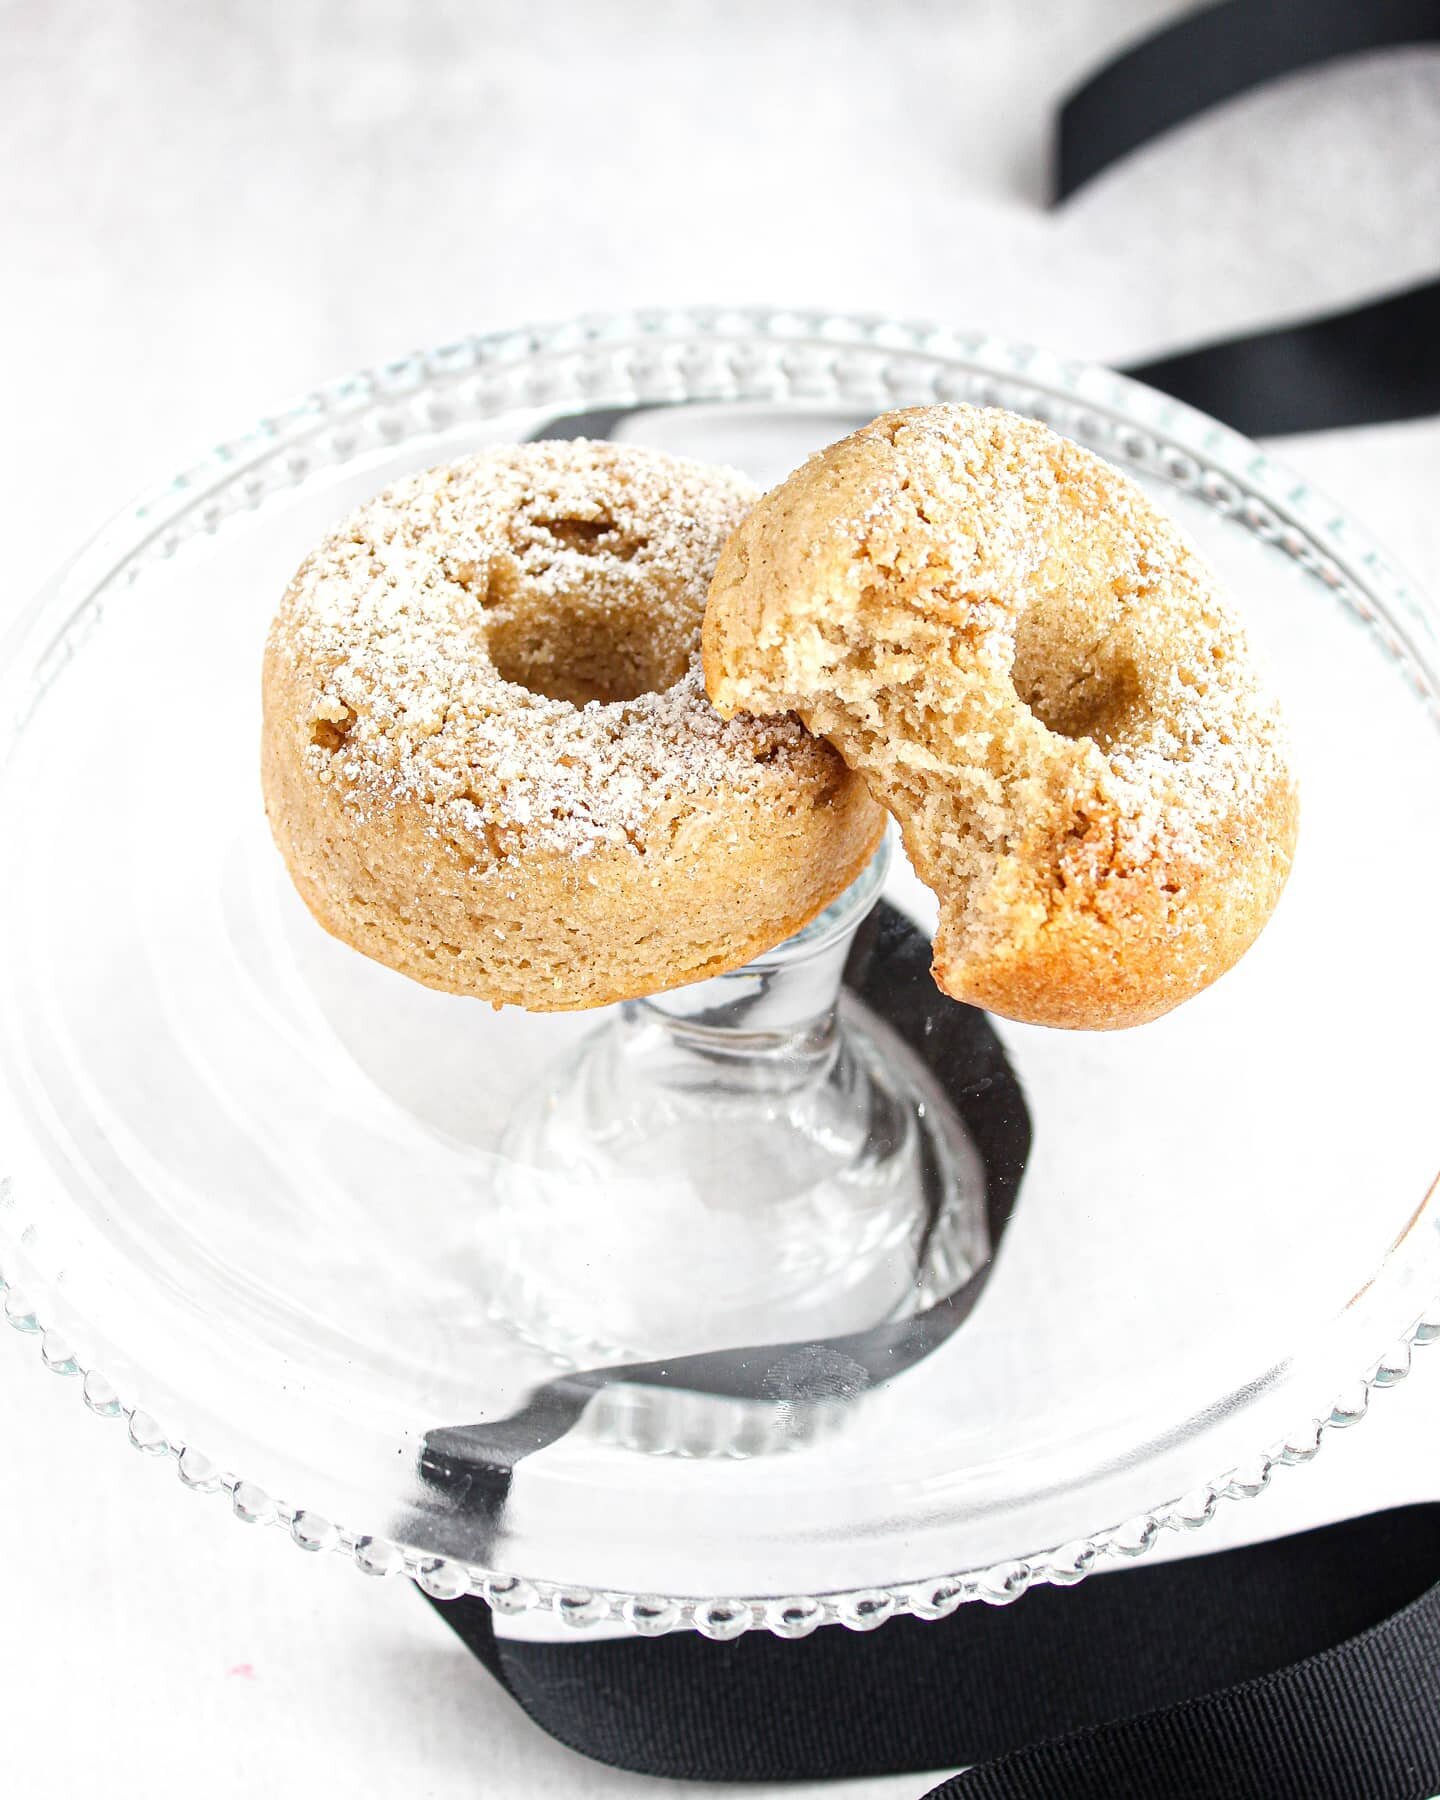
735	1162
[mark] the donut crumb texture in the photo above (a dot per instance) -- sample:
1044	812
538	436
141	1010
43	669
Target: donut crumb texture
1034	672
488	756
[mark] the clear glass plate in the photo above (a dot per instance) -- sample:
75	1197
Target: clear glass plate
247	1172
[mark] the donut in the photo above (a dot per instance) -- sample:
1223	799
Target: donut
488	759
1039	678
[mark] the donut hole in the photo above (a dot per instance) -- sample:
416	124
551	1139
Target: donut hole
592	537
580	650
1076	685
1087	703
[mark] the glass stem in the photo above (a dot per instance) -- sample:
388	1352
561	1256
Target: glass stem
734	1162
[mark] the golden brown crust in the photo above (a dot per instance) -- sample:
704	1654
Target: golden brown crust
488	758
1038	677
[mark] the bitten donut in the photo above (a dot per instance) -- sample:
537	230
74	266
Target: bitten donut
488	758
1038	677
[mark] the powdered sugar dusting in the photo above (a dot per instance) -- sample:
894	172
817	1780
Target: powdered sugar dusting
968	585
1040	679
583	569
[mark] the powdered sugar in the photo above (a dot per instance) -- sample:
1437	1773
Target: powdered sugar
1041	681
580	568
990	561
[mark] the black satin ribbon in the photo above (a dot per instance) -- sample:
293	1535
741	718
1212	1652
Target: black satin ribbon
1360	366
1374	363
1303	1669
1213	55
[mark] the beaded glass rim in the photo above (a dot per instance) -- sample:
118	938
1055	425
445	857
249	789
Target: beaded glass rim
670	357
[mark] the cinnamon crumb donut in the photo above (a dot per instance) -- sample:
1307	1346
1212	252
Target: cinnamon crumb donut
1038	677
488	758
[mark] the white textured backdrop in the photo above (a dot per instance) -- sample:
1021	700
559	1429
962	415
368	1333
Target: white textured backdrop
206	208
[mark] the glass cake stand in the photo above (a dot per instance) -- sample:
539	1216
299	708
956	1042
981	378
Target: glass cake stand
313	1234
